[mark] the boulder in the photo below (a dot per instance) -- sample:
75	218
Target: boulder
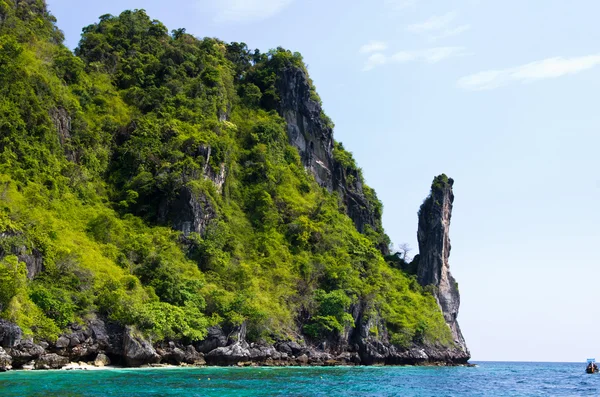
99	333
215	338
171	354
193	357
229	355
51	361
10	334
74	340
5	361
62	342
25	352
137	351
291	348
101	360
303	359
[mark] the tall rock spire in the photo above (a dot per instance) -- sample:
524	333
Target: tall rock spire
434	250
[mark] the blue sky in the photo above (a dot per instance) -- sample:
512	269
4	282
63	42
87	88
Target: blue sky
500	95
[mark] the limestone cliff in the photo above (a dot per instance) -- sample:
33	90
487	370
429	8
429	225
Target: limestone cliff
434	250
311	132
192	209
306	129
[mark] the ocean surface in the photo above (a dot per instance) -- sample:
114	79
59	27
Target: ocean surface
487	379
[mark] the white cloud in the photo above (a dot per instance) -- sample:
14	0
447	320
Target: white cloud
451	32
374	60
434	23
540	70
404	56
373	46
429	55
248	10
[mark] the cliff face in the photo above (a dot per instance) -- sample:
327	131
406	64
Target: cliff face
434	250
306	129
192	209
311	133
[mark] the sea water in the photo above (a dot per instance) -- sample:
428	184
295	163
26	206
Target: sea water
486	379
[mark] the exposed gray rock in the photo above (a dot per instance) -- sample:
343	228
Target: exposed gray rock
5	361
25	352
51	361
99	333
215	338
291	348
192	209
434	250
137	351
62	122
10	334
190	212
62	342
310	131
307	130
34	262
303	359
74	340
18	245
237	334
229	355
193	357
171	353
217	177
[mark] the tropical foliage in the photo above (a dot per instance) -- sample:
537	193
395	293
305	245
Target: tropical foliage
93	144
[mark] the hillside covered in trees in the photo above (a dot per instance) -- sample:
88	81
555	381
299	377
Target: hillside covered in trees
182	189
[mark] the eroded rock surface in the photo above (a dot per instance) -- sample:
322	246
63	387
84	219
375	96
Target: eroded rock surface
10	334
434	250
192	209
51	361
18	246
138	351
5	361
310	131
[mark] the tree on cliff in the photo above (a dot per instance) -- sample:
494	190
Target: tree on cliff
403	250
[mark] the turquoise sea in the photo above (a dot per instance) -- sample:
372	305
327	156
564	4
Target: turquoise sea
487	379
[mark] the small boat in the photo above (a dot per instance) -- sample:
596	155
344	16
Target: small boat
591	368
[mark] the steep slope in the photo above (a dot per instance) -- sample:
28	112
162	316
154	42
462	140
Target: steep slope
165	197
311	132
434	250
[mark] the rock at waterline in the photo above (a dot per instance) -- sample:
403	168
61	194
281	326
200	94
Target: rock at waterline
101	360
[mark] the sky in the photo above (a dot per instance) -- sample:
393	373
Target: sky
502	96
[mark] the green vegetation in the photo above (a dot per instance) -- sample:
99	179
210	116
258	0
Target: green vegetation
96	146
441	181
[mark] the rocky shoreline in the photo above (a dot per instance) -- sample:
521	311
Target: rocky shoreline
100	344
